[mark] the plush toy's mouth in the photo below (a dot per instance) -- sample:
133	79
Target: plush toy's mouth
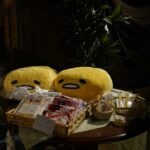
28	87
71	86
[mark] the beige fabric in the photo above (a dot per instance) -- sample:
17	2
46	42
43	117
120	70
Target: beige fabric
9	141
31	137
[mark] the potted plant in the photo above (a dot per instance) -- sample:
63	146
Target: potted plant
90	29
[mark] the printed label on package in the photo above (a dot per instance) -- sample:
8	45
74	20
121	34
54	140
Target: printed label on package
44	125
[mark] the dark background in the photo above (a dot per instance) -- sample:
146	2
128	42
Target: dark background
32	32
41	41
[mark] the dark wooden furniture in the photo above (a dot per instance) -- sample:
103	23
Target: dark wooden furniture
89	140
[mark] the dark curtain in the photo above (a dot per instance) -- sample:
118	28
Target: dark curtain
2	50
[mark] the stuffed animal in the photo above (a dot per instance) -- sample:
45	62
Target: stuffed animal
87	83
30	77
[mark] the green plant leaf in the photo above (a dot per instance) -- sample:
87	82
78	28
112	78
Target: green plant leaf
105	39
108	20
105	7
94	44
116	11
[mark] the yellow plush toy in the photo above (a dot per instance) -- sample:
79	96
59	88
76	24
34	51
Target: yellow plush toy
87	83
30	77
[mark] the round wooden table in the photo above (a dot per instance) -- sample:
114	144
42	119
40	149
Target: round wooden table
89	140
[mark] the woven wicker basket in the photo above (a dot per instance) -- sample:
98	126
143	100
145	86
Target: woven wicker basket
60	130
135	111
129	111
17	119
102	115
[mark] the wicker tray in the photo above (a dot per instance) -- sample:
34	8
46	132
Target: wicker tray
102	115
17	119
129	111
133	112
60	130
65	130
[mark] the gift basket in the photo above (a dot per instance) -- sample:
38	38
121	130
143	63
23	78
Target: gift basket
128	104
67	112
120	107
103	111
16	119
60	129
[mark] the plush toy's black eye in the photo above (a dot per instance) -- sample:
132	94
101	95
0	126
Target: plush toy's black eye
14	81
82	81
37	82
61	80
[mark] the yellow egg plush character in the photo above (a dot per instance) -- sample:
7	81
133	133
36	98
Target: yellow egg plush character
87	83
30	77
